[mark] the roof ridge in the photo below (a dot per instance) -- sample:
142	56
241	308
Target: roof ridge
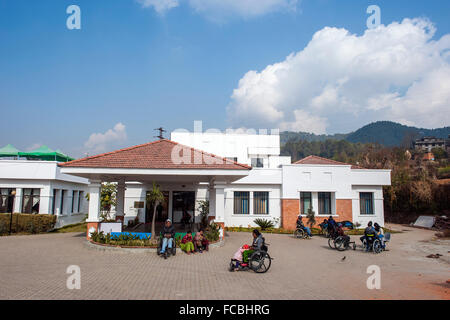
210	154
322	158
150	143
111	152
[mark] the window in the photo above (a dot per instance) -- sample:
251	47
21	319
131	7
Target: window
366	202
54	201
73	201
261	202
61	210
305	202
257	163
325	203
31	199
7	197
80	200
241	202
233	159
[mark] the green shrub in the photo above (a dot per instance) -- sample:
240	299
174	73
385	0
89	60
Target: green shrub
3	227
212	232
264	224
27	223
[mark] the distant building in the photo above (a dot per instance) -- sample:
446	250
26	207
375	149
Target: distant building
31	182
428	143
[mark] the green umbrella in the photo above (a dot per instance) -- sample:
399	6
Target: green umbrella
9	151
45	153
63	155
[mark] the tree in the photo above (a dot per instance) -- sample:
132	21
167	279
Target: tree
108	196
203	207
155	196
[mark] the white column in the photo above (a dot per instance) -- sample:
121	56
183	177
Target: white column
120	197
18	200
212	202
94	201
45	201
219	202
170	213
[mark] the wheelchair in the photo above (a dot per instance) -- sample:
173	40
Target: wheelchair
332	236
370	242
342	243
168	251
259	261
301	233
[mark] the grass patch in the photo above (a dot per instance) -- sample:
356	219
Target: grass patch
78	227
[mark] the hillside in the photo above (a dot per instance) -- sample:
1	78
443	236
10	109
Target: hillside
383	132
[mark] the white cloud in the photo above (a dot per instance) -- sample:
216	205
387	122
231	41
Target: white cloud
395	72
219	10
101	142
160	6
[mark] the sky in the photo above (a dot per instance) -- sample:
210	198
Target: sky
135	65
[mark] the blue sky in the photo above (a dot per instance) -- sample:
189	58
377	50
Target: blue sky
132	65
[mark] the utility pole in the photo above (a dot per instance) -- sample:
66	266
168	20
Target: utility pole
161	131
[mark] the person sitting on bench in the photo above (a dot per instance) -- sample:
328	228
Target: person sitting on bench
200	242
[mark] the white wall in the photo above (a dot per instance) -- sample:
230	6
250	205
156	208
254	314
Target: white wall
245	220
316	178
35	170
242	146
46	176
378	215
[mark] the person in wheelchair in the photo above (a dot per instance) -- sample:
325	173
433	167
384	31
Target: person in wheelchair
258	244
301	226
246	251
332	225
168	238
369	236
340	233
379	233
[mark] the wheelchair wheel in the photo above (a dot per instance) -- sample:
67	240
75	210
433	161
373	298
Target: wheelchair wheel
260	262
331	243
339	243
299	234
376	246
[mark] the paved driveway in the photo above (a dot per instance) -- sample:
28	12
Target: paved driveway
34	267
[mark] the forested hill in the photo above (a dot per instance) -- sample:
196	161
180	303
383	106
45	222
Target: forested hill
386	133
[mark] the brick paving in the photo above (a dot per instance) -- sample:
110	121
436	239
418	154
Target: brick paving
34	267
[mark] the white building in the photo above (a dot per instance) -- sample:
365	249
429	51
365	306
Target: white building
28	186
243	177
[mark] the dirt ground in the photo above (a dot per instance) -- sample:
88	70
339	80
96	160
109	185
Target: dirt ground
34	267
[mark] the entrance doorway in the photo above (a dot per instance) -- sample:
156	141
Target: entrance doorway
183	205
162	211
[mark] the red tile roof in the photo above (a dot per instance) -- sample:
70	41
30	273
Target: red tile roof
156	155
325	161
